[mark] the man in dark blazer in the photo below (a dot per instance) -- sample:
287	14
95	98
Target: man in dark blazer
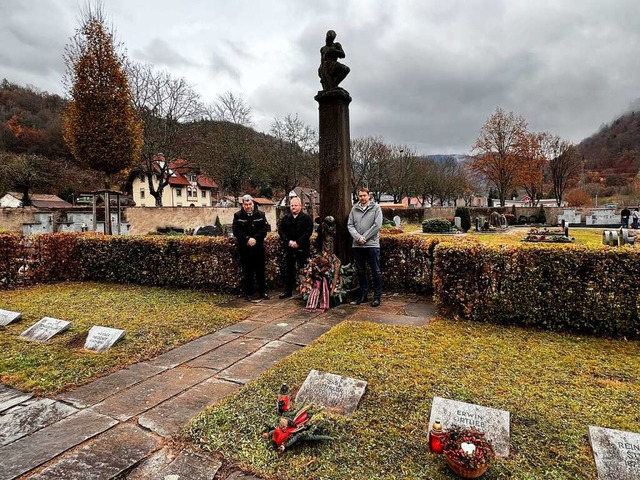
250	229
295	230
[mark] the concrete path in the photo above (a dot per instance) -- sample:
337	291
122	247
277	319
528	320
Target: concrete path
121	425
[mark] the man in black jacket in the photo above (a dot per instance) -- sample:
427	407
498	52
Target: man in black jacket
250	229
295	230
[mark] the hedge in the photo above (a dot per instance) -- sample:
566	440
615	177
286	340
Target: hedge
576	288
180	261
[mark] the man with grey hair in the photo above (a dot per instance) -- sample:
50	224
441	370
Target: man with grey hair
295	230
250	229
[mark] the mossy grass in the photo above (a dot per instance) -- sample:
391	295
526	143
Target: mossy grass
554	385
154	320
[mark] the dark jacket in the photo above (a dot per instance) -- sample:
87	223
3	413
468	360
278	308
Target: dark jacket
247	226
298	229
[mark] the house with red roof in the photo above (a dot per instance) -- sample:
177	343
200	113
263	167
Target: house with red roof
187	185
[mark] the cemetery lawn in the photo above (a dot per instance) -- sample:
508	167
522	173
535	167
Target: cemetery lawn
554	385
155	320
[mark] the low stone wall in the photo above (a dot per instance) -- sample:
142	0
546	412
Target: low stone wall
11	219
448	212
145	220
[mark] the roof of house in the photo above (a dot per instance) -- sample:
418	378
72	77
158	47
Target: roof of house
262	201
43	200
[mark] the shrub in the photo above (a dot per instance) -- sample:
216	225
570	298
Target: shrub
575	288
465	218
542	216
436	225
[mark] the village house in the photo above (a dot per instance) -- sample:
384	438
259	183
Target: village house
187	186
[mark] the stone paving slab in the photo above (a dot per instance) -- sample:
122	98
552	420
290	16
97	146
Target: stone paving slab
242	327
193	349
96	391
334	316
305	333
390	319
151	392
105	457
185	465
252	366
170	416
275	329
22	421
10	397
32	451
420	309
303	315
228	354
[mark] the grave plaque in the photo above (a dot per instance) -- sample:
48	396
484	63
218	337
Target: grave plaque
616	452
396	221
101	339
45	328
332	391
7	317
494	423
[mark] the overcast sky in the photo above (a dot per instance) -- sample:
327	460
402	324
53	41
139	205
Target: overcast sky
424	73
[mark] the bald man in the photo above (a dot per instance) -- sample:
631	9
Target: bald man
295	230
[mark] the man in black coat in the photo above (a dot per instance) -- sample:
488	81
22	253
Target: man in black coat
295	230
250	229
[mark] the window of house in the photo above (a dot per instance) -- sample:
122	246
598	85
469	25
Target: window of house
204	194
142	177
142	193
178	192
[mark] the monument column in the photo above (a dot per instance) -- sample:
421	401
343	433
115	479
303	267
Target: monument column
335	143
335	164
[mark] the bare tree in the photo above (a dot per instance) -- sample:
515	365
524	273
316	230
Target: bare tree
400	171
165	104
25	172
227	152
294	154
368	159
564	166
231	107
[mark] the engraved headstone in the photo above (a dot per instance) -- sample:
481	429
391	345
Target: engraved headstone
397	220
332	391
494	423
457	222
45	328
616	452
7	317
101	339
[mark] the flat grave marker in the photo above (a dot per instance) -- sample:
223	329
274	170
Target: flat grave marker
494	423
101	339
616	453
7	317
45	328
332	391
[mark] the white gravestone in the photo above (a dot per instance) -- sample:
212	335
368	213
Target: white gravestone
332	391
7	317
396	221
616	452
457	221
494	423
101	339
45	328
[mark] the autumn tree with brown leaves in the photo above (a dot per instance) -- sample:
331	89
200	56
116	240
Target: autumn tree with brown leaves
564	166
498	158
99	124
533	162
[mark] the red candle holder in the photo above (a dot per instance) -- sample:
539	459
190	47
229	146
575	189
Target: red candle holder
436	438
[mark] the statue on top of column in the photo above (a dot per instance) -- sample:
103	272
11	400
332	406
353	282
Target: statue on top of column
331	71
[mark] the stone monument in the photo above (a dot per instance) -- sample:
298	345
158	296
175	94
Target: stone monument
341	394
335	142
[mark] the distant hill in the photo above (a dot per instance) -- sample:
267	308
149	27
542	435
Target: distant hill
615	148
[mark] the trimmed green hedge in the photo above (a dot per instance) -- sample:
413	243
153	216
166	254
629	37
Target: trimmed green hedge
576	288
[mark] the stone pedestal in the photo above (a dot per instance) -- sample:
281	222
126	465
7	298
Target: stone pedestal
335	164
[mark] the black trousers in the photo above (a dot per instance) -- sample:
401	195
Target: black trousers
295	260
253	265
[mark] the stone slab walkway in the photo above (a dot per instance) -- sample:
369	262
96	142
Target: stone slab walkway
120	426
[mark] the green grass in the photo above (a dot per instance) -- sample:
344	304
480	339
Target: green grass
155	320
554	385
582	236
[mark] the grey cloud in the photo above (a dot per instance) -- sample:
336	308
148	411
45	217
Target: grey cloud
159	52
